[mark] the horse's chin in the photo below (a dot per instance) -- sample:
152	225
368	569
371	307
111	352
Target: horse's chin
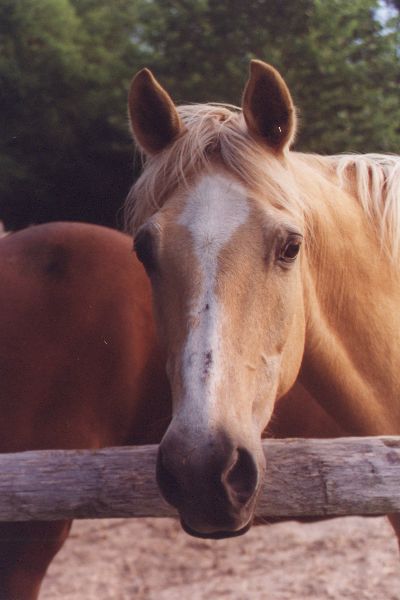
215	535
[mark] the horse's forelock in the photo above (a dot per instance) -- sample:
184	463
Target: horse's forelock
214	132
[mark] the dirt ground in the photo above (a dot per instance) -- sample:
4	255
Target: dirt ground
152	559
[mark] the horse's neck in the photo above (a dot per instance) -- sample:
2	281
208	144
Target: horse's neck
352	294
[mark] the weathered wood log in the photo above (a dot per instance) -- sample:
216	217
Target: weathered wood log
303	478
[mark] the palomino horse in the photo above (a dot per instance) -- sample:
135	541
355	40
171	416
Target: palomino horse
267	266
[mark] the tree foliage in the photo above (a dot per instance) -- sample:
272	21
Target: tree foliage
64	70
65	66
341	60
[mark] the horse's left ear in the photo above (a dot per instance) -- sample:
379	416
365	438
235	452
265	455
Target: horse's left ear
153	116
268	106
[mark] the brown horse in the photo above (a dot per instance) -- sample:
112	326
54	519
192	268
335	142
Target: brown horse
267	266
80	367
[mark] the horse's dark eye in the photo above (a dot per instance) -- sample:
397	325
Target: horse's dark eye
144	249
290	250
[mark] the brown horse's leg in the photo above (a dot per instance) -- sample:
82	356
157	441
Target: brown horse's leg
394	519
26	550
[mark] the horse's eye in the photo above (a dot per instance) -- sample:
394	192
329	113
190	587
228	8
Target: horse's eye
290	250
144	249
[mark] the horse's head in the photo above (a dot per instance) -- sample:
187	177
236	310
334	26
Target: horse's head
220	240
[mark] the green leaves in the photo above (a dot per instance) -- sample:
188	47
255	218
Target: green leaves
64	72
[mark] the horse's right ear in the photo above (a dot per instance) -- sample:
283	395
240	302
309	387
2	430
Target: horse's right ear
153	117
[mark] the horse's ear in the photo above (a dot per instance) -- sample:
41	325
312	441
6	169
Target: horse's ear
153	117
268	106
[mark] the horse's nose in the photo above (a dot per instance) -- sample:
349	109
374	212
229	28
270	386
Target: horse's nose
211	486
240	478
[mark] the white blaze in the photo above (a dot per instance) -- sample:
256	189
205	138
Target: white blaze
214	210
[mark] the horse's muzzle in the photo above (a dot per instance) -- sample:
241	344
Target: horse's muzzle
213	485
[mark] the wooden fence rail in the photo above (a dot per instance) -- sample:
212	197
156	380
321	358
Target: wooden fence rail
304	478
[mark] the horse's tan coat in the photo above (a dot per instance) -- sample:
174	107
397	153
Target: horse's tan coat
330	319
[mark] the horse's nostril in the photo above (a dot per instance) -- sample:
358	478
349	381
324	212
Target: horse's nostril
167	481
242	477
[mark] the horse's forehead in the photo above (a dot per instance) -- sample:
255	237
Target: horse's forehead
214	209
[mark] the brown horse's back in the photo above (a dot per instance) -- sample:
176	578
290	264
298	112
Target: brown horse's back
77	347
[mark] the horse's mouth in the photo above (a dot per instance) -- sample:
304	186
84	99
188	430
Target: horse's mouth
215	535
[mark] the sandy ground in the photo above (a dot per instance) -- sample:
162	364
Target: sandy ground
152	559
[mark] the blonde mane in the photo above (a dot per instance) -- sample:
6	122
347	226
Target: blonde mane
214	132
218	132
376	179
